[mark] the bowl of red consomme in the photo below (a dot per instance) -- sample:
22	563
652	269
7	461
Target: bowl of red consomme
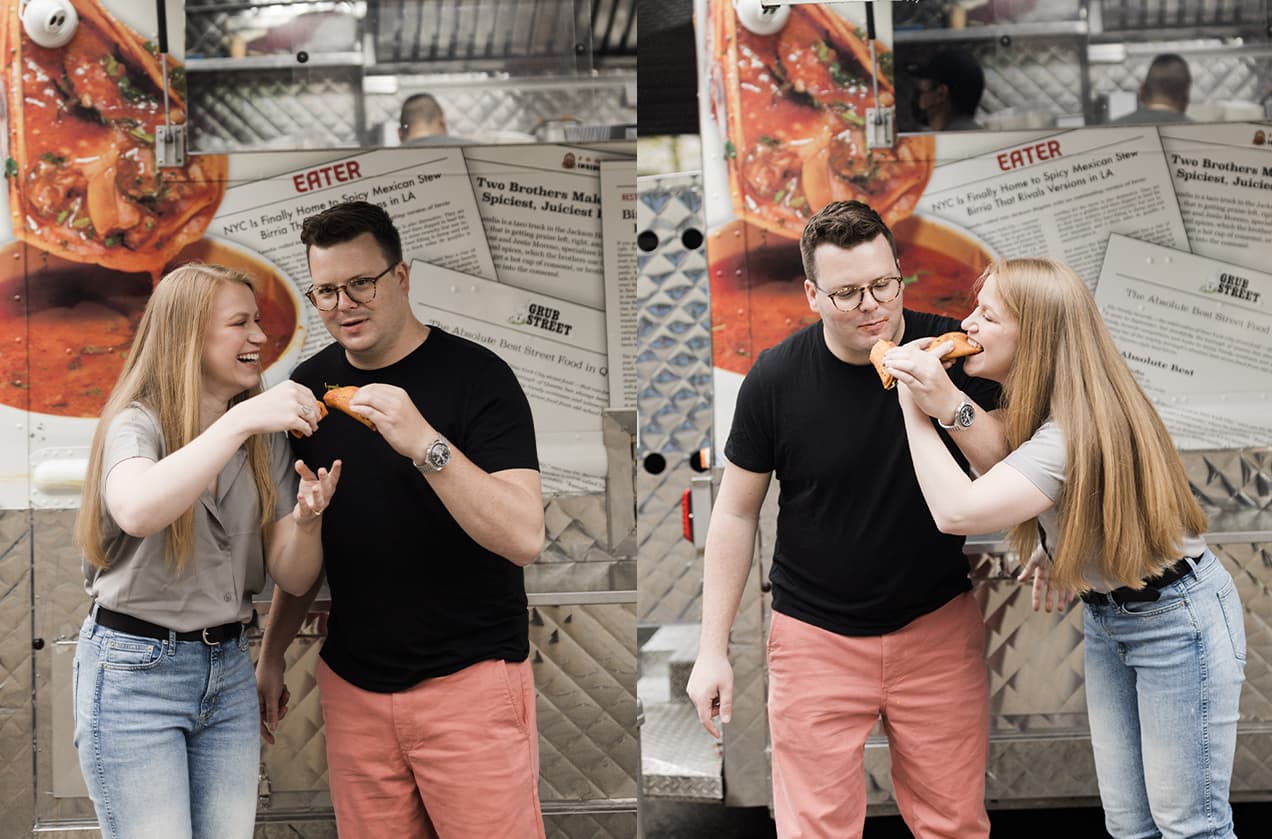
67	327
757	282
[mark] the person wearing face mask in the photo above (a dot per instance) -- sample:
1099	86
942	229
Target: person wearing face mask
1093	479
947	91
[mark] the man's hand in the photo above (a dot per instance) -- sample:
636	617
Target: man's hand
1038	567
395	417
711	690
273	696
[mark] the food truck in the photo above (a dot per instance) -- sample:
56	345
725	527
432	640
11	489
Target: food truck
209	131
1167	222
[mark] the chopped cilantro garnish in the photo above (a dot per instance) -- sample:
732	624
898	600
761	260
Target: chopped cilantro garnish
10	167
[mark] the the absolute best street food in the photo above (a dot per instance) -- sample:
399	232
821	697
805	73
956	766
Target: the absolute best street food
82	176
963	346
793	107
338	398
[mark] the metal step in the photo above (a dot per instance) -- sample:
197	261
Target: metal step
679	759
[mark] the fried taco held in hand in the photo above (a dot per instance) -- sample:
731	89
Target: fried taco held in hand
963	346
877	352
339	397
83	179
322	414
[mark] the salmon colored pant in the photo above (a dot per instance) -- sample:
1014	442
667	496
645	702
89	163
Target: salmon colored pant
929	684
455	757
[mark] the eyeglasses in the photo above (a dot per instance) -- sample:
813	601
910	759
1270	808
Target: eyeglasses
883	290
359	290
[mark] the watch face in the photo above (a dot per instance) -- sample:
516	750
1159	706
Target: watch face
438	455
966	413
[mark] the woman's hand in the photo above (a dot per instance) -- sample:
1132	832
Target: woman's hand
315	492
922	375
1038	566
287	406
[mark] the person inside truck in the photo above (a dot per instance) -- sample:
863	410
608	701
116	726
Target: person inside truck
947	91
425	681
1093	477
873	617
190	496
423	123
1163	97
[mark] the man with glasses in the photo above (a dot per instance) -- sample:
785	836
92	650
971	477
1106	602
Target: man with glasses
873	618
427	694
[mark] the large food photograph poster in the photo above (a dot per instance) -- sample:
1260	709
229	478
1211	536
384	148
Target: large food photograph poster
94	221
1178	214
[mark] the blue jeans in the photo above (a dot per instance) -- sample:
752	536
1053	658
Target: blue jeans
168	735
1162	684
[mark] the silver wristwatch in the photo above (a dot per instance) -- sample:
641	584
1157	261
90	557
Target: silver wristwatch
964	415
436	456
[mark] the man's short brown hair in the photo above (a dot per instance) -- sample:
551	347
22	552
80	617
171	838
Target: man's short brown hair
844	224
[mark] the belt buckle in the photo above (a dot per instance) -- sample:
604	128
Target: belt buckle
205	637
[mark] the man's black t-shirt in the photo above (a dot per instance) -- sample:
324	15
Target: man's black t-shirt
412	595
857	552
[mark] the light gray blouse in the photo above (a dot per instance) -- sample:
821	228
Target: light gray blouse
1041	460
228	562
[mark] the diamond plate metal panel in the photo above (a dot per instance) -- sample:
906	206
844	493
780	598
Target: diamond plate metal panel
584	660
488	109
748	779
1032	75
590	825
15	673
273	109
60	607
1217	73
679	759
674	370
1236	480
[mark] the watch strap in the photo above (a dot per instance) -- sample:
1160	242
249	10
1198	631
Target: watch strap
954	425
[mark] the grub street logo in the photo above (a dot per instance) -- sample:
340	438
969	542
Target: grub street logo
541	317
1234	286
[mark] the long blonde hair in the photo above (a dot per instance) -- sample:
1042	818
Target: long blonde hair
1126	503
164	373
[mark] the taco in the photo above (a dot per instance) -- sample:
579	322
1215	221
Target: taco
83	180
792	106
963	346
338	398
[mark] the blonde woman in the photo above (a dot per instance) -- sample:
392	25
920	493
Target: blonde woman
1093	470
190	497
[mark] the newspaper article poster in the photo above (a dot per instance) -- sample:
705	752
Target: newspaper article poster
1061	196
1197	333
556	348
618	193
1223	179
541	208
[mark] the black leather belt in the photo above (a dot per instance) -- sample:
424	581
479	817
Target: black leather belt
211	636
1149	593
